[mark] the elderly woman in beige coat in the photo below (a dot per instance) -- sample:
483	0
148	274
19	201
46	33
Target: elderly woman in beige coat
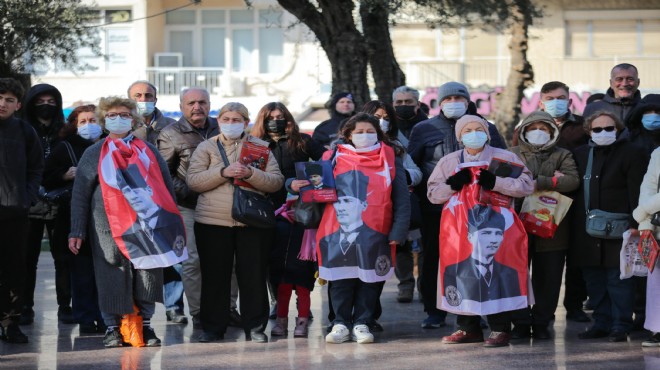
220	238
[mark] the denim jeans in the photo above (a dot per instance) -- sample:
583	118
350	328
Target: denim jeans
173	290
613	298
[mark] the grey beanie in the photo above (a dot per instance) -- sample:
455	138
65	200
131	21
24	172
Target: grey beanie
452	88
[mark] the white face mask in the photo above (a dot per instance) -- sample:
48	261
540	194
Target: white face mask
90	131
454	109
118	125
537	137
232	130
384	125
603	138
474	139
364	140
145	108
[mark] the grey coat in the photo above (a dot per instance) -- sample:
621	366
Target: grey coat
117	282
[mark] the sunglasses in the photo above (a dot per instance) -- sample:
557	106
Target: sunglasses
600	129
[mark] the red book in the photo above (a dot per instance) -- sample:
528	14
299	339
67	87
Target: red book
254	153
648	249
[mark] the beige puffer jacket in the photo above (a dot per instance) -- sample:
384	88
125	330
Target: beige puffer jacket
216	193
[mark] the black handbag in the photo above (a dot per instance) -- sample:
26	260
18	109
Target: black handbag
249	207
62	195
308	214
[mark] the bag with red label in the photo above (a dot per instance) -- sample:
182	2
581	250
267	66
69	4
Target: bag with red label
542	212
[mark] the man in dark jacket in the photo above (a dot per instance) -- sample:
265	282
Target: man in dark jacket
42	108
144	94
340	107
431	140
408	109
623	94
176	143
22	163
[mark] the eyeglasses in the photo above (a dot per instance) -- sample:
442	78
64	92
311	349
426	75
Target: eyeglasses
600	129
123	115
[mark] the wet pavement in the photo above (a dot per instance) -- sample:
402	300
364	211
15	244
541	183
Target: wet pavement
402	345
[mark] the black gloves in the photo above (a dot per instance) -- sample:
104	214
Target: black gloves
459	179
486	179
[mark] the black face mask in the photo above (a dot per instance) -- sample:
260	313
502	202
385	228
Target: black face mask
405	111
277	126
45	111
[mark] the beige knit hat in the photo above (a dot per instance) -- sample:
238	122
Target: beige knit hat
463	121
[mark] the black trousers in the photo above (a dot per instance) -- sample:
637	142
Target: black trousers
575	288
353	301
547	271
497	322
12	269
429	279
58	233
217	246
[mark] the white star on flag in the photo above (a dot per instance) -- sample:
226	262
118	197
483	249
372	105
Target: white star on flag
453	202
386	173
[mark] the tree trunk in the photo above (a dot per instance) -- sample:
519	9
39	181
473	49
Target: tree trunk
384	67
343	44
521	74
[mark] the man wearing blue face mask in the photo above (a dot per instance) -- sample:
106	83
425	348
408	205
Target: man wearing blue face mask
430	140
556	102
144	94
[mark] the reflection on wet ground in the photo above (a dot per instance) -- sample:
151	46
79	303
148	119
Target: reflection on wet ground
402	345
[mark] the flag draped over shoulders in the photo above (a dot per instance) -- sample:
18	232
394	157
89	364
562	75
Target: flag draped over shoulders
144	220
352	238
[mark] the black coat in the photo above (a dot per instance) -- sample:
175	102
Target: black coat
618	170
287	159
326	131
285	267
21	167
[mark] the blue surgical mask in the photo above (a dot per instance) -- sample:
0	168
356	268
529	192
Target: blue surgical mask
556	107
474	139
145	108
118	125
651	121
89	131
454	109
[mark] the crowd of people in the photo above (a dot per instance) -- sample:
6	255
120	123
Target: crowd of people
139	208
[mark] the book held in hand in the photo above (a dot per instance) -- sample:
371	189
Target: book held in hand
500	168
254	153
322	183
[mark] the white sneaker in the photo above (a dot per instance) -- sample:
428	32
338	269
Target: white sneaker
339	334
361	334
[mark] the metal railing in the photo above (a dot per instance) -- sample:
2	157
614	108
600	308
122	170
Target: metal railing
170	81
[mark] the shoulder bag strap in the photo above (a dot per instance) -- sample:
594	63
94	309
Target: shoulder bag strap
72	155
223	153
587	178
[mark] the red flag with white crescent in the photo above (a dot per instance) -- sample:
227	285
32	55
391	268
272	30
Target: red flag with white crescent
352	239
144	220
483	254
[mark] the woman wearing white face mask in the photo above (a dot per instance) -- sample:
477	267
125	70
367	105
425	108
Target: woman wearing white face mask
613	184
359	232
444	182
73	274
221	239
553	169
